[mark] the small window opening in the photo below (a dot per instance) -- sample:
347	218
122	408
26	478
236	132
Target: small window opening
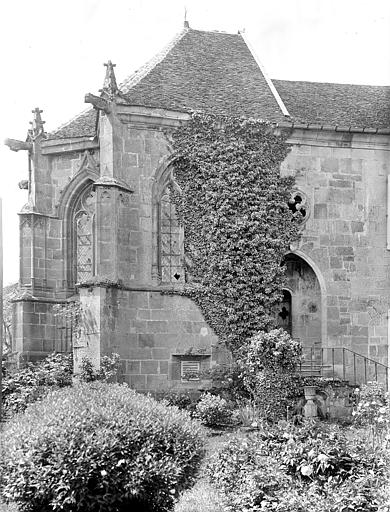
295	204
284	316
190	370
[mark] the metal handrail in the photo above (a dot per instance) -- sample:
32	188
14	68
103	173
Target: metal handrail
363	376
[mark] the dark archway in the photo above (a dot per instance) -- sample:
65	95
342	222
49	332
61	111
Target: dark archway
306	304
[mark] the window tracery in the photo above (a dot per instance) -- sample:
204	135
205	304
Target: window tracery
299	205
84	236
170	240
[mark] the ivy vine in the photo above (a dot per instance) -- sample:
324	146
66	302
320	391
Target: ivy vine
237	224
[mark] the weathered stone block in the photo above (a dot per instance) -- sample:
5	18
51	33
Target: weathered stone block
344	251
340	275
161	353
330	165
335	262
149	367
163	367
320	211
341	183
133	367
137	382
139	353
157	326
156	382
146	340
357	226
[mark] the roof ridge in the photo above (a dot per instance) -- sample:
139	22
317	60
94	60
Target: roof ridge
144	70
268	80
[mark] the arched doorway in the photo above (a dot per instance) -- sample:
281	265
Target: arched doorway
302	302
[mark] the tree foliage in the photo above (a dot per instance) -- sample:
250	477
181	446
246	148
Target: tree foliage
237	224
9	293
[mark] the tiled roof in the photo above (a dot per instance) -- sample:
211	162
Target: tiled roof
357	106
209	71
83	125
216	72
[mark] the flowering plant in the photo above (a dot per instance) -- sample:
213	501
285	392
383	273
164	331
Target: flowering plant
373	411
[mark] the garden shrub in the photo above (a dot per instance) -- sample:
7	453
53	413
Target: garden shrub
109	369
26	385
227	380
181	399
268	366
313	468
212	410
98	447
319	458
373	411
243	475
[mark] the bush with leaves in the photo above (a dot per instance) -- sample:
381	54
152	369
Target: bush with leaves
213	410
108	371
244	475
97	447
268	365
373	411
182	399
26	385
313	468
227	380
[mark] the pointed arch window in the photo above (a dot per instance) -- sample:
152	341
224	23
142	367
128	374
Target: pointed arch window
170	239
84	235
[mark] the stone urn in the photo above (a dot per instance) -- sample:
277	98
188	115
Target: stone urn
310	409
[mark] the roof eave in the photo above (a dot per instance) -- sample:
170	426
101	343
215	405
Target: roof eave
335	128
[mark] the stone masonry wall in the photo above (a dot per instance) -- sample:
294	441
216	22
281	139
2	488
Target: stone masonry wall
344	177
38	331
153	333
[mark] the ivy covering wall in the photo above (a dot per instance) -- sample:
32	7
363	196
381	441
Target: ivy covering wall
237	224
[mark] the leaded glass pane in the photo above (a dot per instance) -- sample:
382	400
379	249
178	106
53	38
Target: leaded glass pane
84	236
171	269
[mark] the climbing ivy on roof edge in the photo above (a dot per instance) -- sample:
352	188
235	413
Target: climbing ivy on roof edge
237	224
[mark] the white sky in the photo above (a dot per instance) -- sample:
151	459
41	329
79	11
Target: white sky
52	53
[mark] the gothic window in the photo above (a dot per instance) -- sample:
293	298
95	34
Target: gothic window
84	236
170	240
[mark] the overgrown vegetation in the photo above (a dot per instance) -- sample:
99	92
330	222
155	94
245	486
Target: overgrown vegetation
237	224
28	384
269	364
9	293
98	446
313	468
212	410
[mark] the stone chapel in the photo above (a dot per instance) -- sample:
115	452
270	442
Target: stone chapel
99	226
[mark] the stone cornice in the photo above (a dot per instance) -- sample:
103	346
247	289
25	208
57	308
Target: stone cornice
151	117
330	137
51	147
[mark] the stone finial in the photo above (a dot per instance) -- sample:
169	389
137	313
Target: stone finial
23	185
36	124
110	86
186	23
